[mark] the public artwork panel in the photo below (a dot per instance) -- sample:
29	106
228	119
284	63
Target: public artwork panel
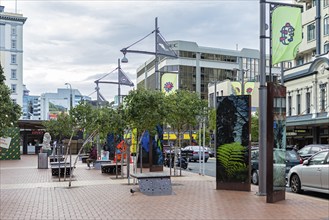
232	142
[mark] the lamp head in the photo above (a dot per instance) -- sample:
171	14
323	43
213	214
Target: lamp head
124	59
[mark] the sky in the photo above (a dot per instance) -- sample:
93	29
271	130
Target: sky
79	41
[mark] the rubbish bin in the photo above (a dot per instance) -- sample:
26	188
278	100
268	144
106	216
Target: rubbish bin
42	161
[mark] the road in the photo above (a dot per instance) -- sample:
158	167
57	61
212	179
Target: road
210	170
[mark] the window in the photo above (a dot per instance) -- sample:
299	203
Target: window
326	48
289	105
13	88
13	44
325	3
300	61
308	102
13	74
311	32
14	101
13	58
326	25
298	104
323	97
13	30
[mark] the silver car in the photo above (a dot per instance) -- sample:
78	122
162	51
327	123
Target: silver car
312	175
192	153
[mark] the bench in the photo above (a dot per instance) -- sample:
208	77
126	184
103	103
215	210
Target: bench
110	168
64	168
154	183
55	158
84	159
97	164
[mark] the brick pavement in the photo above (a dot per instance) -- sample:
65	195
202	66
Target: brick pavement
30	193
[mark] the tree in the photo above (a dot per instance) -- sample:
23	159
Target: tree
60	128
145	109
185	109
9	111
254	127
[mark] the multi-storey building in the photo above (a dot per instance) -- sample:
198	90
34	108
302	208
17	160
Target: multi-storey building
198	66
51	104
11	52
307	81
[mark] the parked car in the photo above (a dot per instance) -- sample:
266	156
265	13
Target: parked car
211	152
192	153
312	175
179	160
309	150
291	159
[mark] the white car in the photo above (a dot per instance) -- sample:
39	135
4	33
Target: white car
312	175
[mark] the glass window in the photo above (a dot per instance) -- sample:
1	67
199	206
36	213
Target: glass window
326	25
13	30
308	102
326	48
298	104
311	32
323	97
325	3
13	88
13	74
318	159
13	44
300	61
13	58
289	105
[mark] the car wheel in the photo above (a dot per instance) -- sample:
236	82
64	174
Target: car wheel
295	184
254	177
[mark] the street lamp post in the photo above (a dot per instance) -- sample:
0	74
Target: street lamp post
157	53
70	146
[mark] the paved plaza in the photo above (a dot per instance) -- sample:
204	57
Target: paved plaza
27	192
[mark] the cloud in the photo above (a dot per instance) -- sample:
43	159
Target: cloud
78	41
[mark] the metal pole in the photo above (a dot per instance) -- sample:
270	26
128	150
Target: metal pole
157	77
200	125
119	71
215	107
204	144
282	73
262	101
318	27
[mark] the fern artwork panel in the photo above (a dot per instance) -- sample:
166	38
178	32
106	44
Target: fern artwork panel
232	143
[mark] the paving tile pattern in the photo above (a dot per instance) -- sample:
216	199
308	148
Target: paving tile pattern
30	193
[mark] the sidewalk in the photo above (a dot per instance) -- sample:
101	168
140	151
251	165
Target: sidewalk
30	193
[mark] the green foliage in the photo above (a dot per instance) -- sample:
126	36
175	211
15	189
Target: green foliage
185	109
9	111
60	128
231	157
254	128
144	109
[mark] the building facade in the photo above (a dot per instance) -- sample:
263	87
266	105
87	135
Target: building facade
11	52
307	81
198	67
52	104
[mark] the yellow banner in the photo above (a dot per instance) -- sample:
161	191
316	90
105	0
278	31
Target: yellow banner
169	83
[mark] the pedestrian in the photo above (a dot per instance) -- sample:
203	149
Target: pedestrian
92	156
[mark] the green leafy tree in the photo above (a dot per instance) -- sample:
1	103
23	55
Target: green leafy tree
60	128
9	111
254	128
185	109
145	109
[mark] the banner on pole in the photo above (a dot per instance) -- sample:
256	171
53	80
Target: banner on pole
169	83
286	33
